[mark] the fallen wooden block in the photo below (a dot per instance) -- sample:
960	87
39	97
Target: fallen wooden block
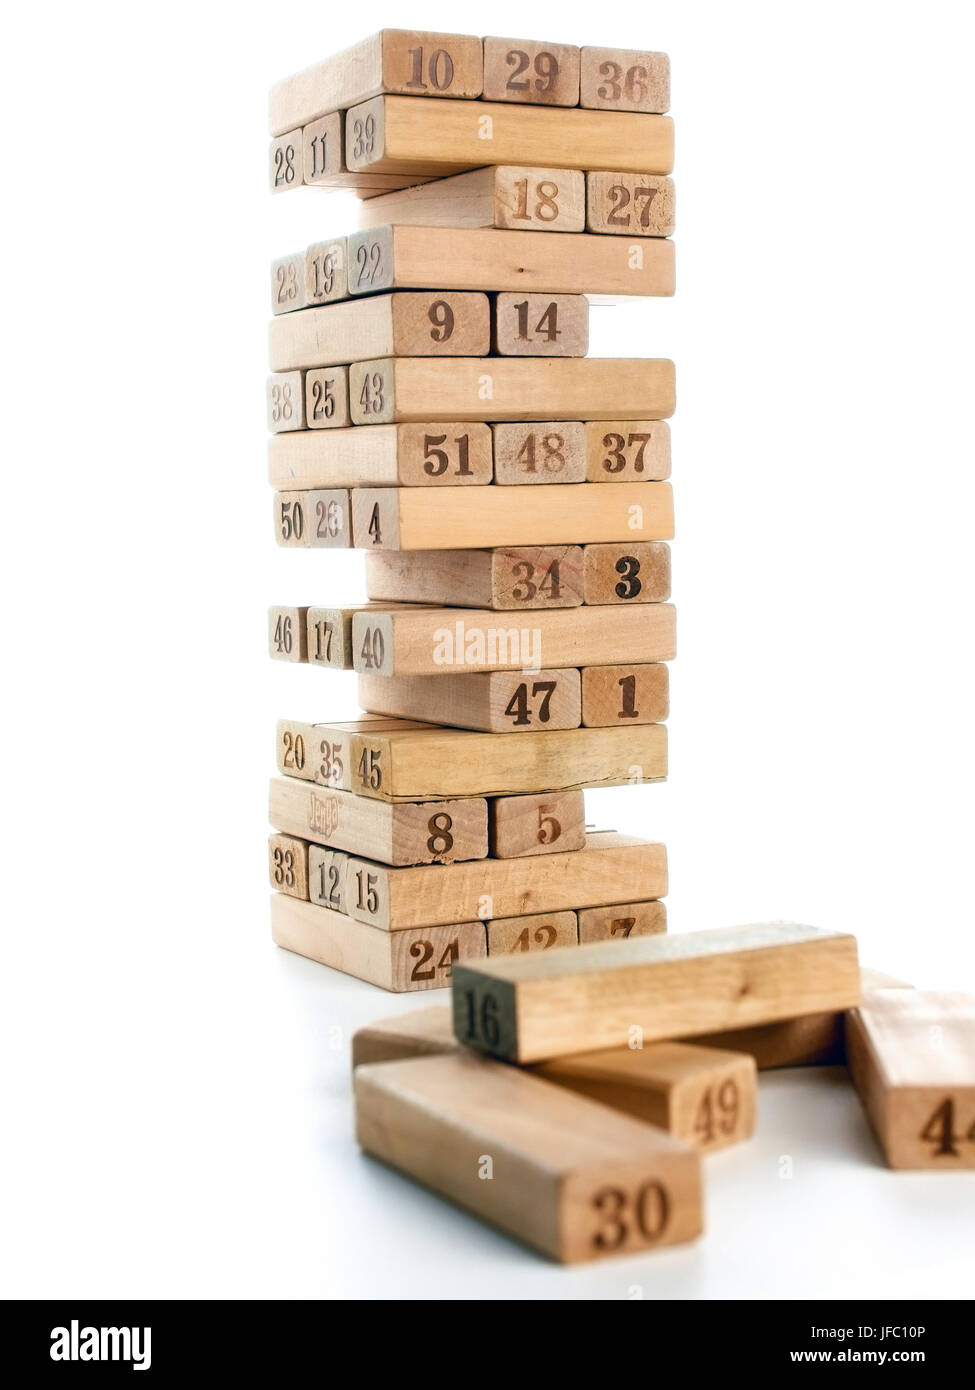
287	633
621	79
521	70
538	932
540	823
911	1055
422	641
501	579
541	325
286	169
633	694
288	865
627	451
425	1032
630	205
320	752
507	196
608	866
449	453
536	1007
566	1175
410	137
433	764
288	284
620	920
410	324
313	520
285	402
433	832
630	572
402	257
398	961
495	702
417	62
552	451
703	1095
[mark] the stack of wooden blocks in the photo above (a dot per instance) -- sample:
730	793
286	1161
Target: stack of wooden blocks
431	402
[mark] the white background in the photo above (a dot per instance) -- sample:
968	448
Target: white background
175	1106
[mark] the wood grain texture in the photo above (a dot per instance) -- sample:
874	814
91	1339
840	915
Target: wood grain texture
434	832
531	72
411	137
444	454
627	451
287	633
398	961
702	1095
326	877
629	572
536	1007
568	1176
316	520
549	451
403	257
620	921
506	196
541	325
630	205
495	702
321	752
288	283
419	641
328	640
510	577
622	79
614	696
326	272
911	1055
410	324
609	866
542	931
426	1032
288	865
539	823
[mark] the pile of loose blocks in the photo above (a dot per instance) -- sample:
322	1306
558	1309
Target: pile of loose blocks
431	403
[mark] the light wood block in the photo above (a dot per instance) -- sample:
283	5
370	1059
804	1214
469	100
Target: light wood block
326	877
287	633
541	325
285	154
398	961
553	451
325	270
448	454
321	752
432	832
616	695
507	196
528	577
315	520
288	283
609	865
540	823
323	151
417	62
495	702
411	137
485	258
569	1177
620	79
627	451
539	932
329	635
701	1095
911	1055
536	1007
630	205
435	641
637	572
285	402
621	920
288	865
327	398
424	1032
522	70
430	323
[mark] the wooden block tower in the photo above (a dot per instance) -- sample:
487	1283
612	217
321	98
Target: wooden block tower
431	403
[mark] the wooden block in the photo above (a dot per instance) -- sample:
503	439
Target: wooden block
320	752
432	832
325	270
627	451
568	1176
486	258
323	150
329	635
326	876
288	284
420	1033
399	961
540	74
541	325
496	702
552	451
634	572
630	204
327	398
911	1055
539	932
287	633
622	920
502	195
285	152
532	1008
620	79
288	865
435	641
411	137
702	1095
416	62
503	579
285	402
313	520
609	865
451	454
616	695
540	823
